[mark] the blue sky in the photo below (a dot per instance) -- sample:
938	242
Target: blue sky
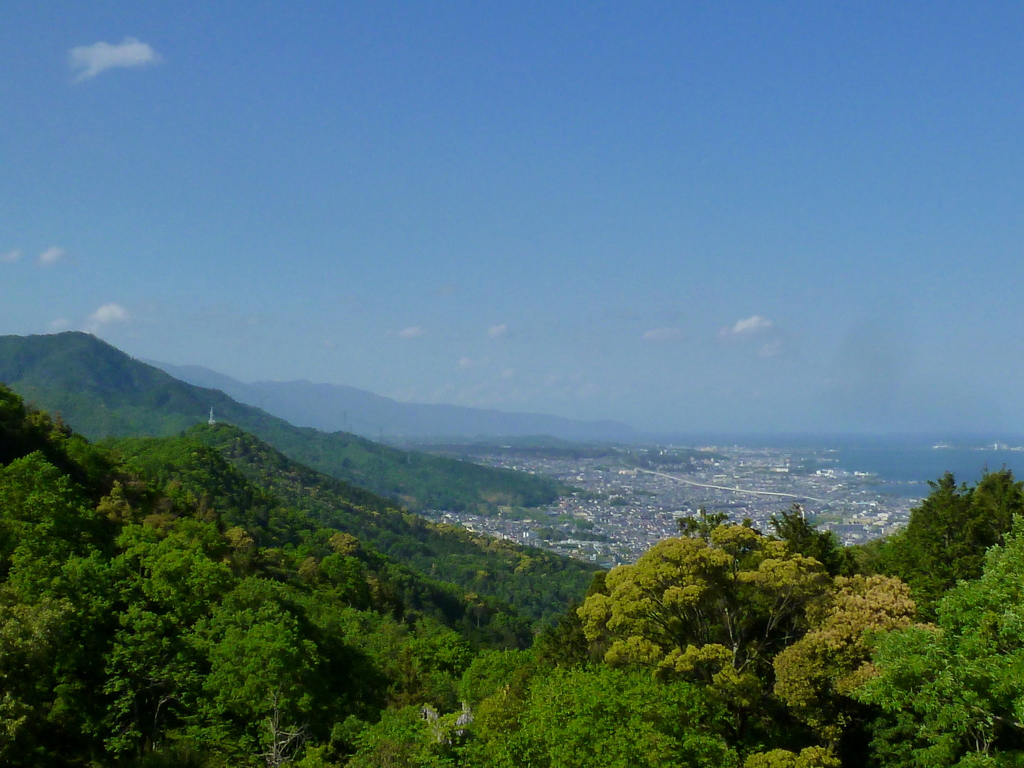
688	216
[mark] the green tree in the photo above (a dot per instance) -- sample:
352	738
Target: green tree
411	737
702	524
946	537
815	675
607	718
803	538
714	612
54	615
953	694
167	581
261	669
697	607
810	757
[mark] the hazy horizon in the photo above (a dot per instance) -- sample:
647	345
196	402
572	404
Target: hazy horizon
727	219
778	438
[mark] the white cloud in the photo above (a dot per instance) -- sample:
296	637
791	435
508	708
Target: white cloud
662	334
51	255
469	362
11	256
772	348
90	60
748	327
108	313
60	324
412	332
497	331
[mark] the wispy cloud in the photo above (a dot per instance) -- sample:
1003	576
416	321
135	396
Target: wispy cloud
105	315
51	256
10	257
756	329
657	335
412	332
90	60
60	324
497	331
747	327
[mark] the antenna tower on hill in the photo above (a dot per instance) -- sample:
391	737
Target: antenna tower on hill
212	420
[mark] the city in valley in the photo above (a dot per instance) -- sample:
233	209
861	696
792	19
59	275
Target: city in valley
622	501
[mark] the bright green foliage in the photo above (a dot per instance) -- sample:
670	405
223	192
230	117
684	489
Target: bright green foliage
491	671
176	612
31	668
261	664
948	534
713	612
26	431
411	736
606	718
810	757
53	613
167	582
202	601
243	468
954	693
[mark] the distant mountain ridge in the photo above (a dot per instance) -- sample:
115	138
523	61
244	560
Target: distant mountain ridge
333	407
102	392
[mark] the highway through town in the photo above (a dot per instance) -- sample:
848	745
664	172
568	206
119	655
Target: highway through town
734	490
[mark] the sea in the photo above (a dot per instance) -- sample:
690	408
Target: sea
906	469
900	465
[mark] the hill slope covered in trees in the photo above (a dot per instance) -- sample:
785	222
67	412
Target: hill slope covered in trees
206	591
102	392
204	461
188	602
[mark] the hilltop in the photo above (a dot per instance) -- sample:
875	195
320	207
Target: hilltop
333	407
102	392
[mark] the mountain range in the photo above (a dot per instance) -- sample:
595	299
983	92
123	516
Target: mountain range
333	407
102	392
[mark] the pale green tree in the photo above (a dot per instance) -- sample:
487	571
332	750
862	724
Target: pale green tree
815	675
705	608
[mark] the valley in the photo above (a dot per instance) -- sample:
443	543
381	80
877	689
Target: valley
619	509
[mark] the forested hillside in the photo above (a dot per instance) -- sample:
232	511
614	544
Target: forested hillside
203	601
102	392
250	483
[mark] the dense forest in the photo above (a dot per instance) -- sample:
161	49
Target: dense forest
103	392
201	600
